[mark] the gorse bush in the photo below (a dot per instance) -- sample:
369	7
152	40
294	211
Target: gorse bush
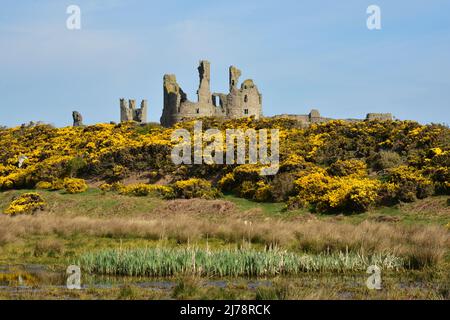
26	203
246	181
44	185
326	193
141	190
72	185
115	186
398	160
195	188
184	189
410	183
342	168
57	184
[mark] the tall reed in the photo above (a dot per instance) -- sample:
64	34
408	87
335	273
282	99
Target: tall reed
164	262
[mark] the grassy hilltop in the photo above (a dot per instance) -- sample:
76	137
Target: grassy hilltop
336	166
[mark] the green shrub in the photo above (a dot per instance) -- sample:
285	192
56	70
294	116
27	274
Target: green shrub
282	186
387	160
342	168
263	192
75	165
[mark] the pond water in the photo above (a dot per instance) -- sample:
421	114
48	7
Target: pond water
40	276
16	279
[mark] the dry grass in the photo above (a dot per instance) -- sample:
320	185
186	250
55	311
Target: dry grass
198	207
422	245
49	247
430	206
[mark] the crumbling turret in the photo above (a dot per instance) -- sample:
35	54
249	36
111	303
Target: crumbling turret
204	92
234	75
129	112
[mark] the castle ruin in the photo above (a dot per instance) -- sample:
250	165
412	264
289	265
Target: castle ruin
240	102
129	112
315	117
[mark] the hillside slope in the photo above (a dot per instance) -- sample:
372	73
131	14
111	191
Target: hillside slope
331	167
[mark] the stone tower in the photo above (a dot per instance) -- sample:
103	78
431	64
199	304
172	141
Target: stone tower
77	119
173	98
204	92
234	75
129	112
240	102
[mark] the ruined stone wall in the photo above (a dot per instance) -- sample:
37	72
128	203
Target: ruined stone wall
140	115
379	116
129	112
315	117
238	103
298	117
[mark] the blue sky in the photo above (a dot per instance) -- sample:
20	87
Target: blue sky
301	54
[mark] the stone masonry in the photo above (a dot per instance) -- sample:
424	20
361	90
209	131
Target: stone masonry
379	116
129	112
240	102
77	119
315	117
